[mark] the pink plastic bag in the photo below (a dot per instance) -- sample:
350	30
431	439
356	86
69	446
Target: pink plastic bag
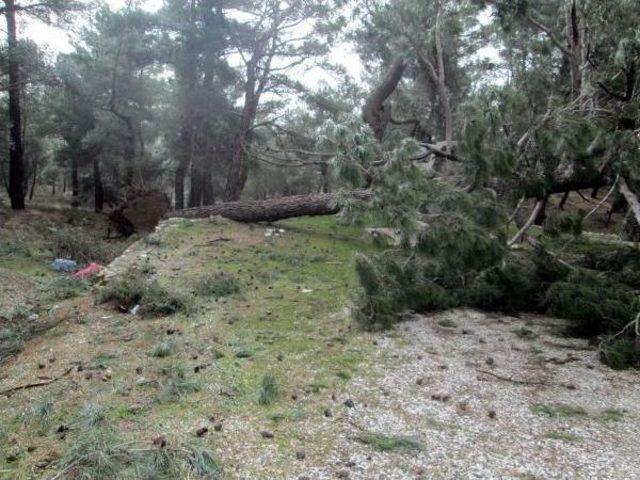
87	271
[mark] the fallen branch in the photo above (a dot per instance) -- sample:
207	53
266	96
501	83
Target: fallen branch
27	386
604	199
515	380
536	211
517	209
631	198
211	243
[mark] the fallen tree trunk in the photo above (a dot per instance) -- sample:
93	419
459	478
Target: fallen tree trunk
275	208
293	206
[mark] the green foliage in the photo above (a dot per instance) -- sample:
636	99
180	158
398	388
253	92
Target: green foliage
384	443
621	353
133	288
563	436
392	286
161	350
77	244
559	410
559	223
594	304
512	287
218	285
61	288
269	390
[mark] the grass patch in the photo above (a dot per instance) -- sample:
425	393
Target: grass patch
563	436
525	333
161	350
611	415
558	410
269	390
60	288
218	285
176	384
133	288
383	443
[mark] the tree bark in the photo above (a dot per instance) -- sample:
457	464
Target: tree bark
274	209
16	154
237	176
375	112
75	182
33	179
98	188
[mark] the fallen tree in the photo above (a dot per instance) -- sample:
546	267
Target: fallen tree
275	208
315	204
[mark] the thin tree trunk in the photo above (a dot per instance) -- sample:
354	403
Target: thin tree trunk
75	183
208	195
195	192
33	180
16	155
129	153
444	94
98	188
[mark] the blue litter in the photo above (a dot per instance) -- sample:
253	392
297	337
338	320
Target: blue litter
63	265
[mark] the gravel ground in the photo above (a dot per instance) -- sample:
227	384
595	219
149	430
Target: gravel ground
546	409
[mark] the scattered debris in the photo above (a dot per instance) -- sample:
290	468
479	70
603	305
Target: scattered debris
64	265
88	271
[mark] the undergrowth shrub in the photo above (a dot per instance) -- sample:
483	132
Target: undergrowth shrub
133	288
79	245
61	288
217	285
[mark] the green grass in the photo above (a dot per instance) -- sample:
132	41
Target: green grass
611	415
384	443
563	436
559	410
161	350
310	330
218	285
269	390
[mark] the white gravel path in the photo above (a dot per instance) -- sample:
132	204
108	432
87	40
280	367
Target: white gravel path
425	357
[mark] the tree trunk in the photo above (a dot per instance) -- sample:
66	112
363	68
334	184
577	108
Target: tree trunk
375	112
274	209
129	153
208	195
16	155
98	188
75	183
237	175
195	192
33	179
